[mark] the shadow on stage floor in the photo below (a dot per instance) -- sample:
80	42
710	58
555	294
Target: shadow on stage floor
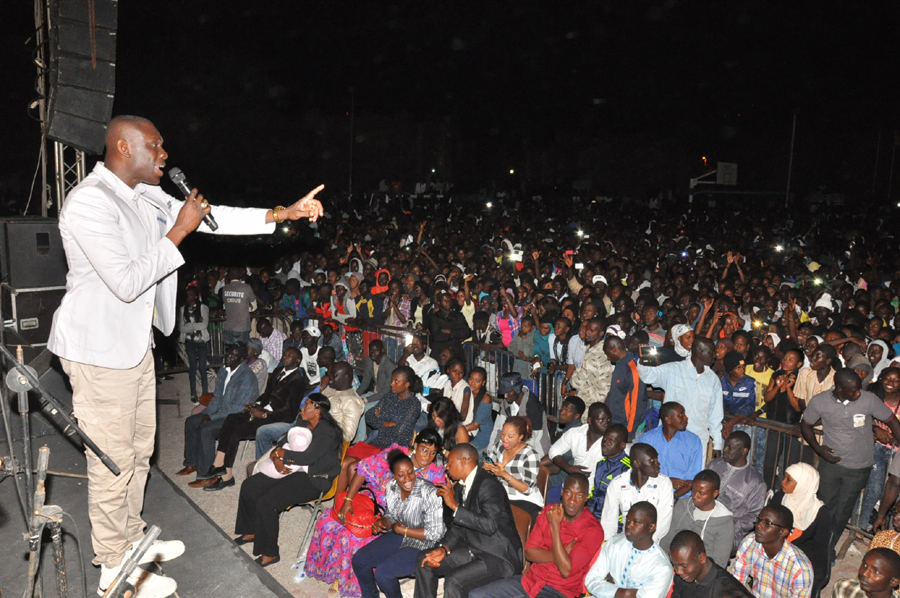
211	566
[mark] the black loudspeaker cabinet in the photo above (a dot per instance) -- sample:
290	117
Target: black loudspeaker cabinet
31	253
43	420
82	71
30	311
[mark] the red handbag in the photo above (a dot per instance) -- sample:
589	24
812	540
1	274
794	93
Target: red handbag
364	512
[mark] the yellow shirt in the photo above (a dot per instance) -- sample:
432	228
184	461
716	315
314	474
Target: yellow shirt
762	382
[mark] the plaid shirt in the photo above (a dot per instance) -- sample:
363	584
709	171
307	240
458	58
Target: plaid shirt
524	467
423	508
849	588
789	573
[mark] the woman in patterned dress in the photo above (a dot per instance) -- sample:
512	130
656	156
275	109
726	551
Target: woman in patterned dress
332	547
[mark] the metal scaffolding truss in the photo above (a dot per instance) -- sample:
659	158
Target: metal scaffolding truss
69	167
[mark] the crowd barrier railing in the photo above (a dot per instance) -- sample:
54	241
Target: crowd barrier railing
215	356
496	362
776	446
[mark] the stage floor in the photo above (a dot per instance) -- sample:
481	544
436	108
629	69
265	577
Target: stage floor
211	566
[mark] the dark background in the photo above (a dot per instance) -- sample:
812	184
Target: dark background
252	97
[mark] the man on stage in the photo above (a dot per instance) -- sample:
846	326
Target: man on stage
121	232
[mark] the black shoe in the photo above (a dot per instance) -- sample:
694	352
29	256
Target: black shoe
219	484
259	561
195	400
218	471
240	541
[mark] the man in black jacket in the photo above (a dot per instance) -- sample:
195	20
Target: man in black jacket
278	404
697	576
448	328
482	544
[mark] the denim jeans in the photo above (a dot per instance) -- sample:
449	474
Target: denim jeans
196	352
875	486
267	435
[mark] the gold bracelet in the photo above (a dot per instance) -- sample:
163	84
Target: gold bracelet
275	214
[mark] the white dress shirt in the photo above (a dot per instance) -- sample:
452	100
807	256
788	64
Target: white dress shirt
647	571
575	441
622	494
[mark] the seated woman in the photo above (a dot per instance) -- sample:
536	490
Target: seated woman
394	419
517	464
412	522
263	498
812	521
332	545
444	418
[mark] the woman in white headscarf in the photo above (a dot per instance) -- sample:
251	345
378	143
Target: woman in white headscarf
878	357
812	521
683	339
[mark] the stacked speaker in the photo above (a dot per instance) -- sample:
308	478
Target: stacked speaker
82	47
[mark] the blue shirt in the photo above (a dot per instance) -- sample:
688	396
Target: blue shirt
699	394
681	457
740	398
606	470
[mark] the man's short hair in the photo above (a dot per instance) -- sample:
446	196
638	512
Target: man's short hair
845	376
578	477
784	516
376	343
577	404
690	540
466	451
668	409
645	507
741	437
639	450
595	407
710	477
828	351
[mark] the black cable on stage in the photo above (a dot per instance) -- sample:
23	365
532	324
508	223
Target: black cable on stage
77	537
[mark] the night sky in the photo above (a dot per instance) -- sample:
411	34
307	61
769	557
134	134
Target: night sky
253	100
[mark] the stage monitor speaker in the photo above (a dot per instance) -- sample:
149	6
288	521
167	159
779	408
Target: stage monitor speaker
31	253
42	420
82	71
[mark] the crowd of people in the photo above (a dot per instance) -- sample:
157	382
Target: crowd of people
722	394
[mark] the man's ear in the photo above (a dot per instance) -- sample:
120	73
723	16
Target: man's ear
123	148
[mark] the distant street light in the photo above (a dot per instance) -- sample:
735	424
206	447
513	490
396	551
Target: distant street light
511	171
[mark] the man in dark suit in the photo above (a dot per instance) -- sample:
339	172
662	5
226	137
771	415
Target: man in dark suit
382	379
377	358
279	403
481	545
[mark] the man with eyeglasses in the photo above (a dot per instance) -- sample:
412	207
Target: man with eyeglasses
778	568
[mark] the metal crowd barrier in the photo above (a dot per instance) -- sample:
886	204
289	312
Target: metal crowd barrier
497	362
776	446
215	356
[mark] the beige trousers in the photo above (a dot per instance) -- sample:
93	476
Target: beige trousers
117	409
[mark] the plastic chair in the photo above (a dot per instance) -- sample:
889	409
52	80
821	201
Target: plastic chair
523	526
318	508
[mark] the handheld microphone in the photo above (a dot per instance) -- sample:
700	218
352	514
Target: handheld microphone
181	182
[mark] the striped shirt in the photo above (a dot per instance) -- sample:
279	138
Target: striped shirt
788	573
423	508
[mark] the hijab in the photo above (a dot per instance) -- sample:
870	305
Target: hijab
378	289
803	502
879	367
679	330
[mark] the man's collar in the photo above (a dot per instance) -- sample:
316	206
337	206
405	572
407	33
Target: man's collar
285	373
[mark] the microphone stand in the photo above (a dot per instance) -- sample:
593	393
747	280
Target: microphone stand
21	379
